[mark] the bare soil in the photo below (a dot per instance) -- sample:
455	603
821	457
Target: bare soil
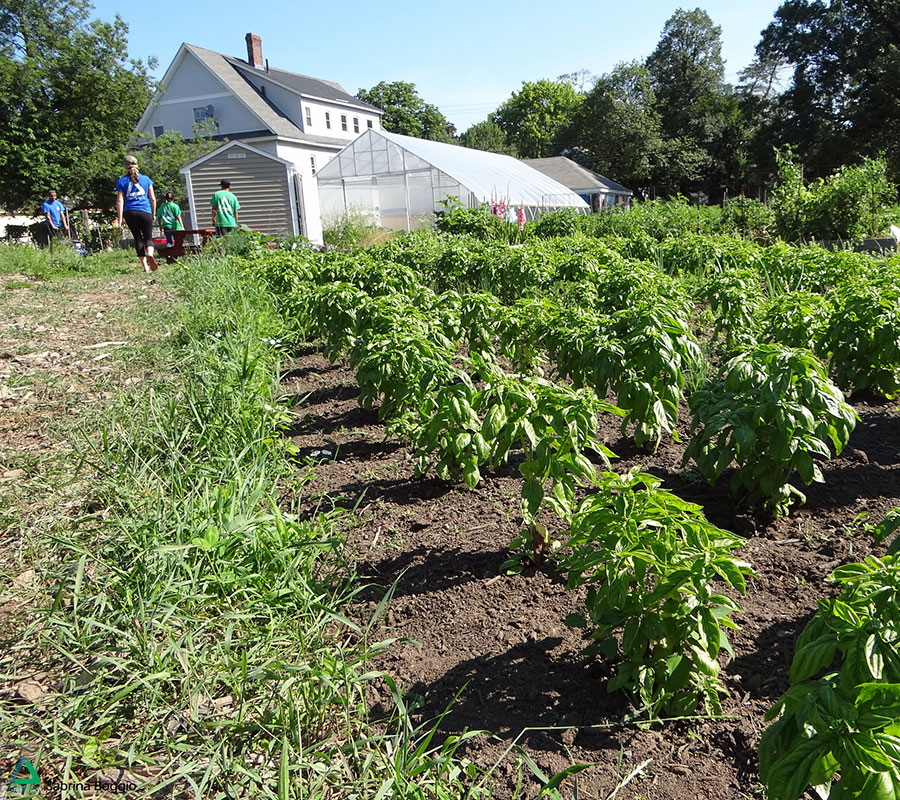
499	642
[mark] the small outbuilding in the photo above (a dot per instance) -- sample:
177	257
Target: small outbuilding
274	197
593	188
400	181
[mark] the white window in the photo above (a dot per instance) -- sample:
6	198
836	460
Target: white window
368	123
308	117
202	113
328	120
356	124
343	122
312	164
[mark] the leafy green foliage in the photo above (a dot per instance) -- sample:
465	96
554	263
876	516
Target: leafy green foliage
649	560
735	297
847	205
406	112
532	117
796	319
770	411
69	101
845	723
863	335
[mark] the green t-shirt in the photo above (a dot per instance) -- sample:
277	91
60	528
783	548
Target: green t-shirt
168	214
225	204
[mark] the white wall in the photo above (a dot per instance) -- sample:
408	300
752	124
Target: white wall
319	126
193	86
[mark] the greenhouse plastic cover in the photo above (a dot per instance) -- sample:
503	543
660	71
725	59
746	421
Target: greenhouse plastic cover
488	176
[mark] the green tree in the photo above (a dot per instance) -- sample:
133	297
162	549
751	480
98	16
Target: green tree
699	113
69	101
843	103
163	156
487	135
406	112
533	117
617	130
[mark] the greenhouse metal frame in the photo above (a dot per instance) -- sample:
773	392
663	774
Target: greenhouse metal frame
398	182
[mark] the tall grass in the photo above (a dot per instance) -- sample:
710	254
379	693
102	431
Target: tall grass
195	630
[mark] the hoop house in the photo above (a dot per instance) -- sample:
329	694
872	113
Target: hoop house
399	181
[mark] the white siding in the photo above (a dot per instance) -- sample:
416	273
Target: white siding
193	86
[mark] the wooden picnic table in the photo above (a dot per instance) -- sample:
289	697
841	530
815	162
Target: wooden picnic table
179	248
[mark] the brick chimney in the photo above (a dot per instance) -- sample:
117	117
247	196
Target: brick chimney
254	50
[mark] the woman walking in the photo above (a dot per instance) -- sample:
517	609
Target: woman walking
136	204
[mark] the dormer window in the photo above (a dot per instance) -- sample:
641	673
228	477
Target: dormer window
328	120
343	122
308	117
356	124
368	123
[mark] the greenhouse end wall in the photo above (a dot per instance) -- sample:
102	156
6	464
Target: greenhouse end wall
399	201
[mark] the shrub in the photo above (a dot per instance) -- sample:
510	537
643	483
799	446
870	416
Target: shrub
347	229
649	560
844	723
850	204
772	409
863	335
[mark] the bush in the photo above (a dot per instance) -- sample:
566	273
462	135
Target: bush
863	335
560	222
844	724
477	222
772	409
850	204
348	229
650	560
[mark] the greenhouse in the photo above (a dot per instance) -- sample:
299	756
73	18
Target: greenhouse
398	182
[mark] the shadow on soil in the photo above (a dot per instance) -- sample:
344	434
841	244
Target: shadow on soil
527	686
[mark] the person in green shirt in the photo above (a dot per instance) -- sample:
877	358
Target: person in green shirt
169	216
225	210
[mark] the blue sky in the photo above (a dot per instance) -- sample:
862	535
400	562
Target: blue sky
464	56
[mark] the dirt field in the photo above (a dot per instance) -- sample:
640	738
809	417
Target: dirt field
501	641
498	641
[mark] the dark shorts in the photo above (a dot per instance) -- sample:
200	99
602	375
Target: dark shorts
224	230
55	233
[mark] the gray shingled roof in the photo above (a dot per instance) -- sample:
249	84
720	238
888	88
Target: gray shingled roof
577	178
234	74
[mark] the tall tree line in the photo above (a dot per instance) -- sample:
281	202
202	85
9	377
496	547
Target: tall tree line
825	81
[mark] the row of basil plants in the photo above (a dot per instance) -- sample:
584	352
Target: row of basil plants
649	560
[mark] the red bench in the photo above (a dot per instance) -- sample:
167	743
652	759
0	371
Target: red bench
179	248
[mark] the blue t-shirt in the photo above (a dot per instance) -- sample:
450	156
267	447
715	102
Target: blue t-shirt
136	195
55	210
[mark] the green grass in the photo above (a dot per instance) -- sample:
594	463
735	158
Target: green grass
193	633
44	263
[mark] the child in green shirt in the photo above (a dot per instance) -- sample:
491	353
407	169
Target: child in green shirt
169	216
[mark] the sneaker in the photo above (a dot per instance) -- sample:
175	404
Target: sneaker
152	262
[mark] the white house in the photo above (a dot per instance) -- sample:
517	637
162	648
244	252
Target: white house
301	120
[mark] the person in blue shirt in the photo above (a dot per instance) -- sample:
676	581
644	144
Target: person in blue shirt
136	205
55	216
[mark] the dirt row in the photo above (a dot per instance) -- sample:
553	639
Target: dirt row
499	642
